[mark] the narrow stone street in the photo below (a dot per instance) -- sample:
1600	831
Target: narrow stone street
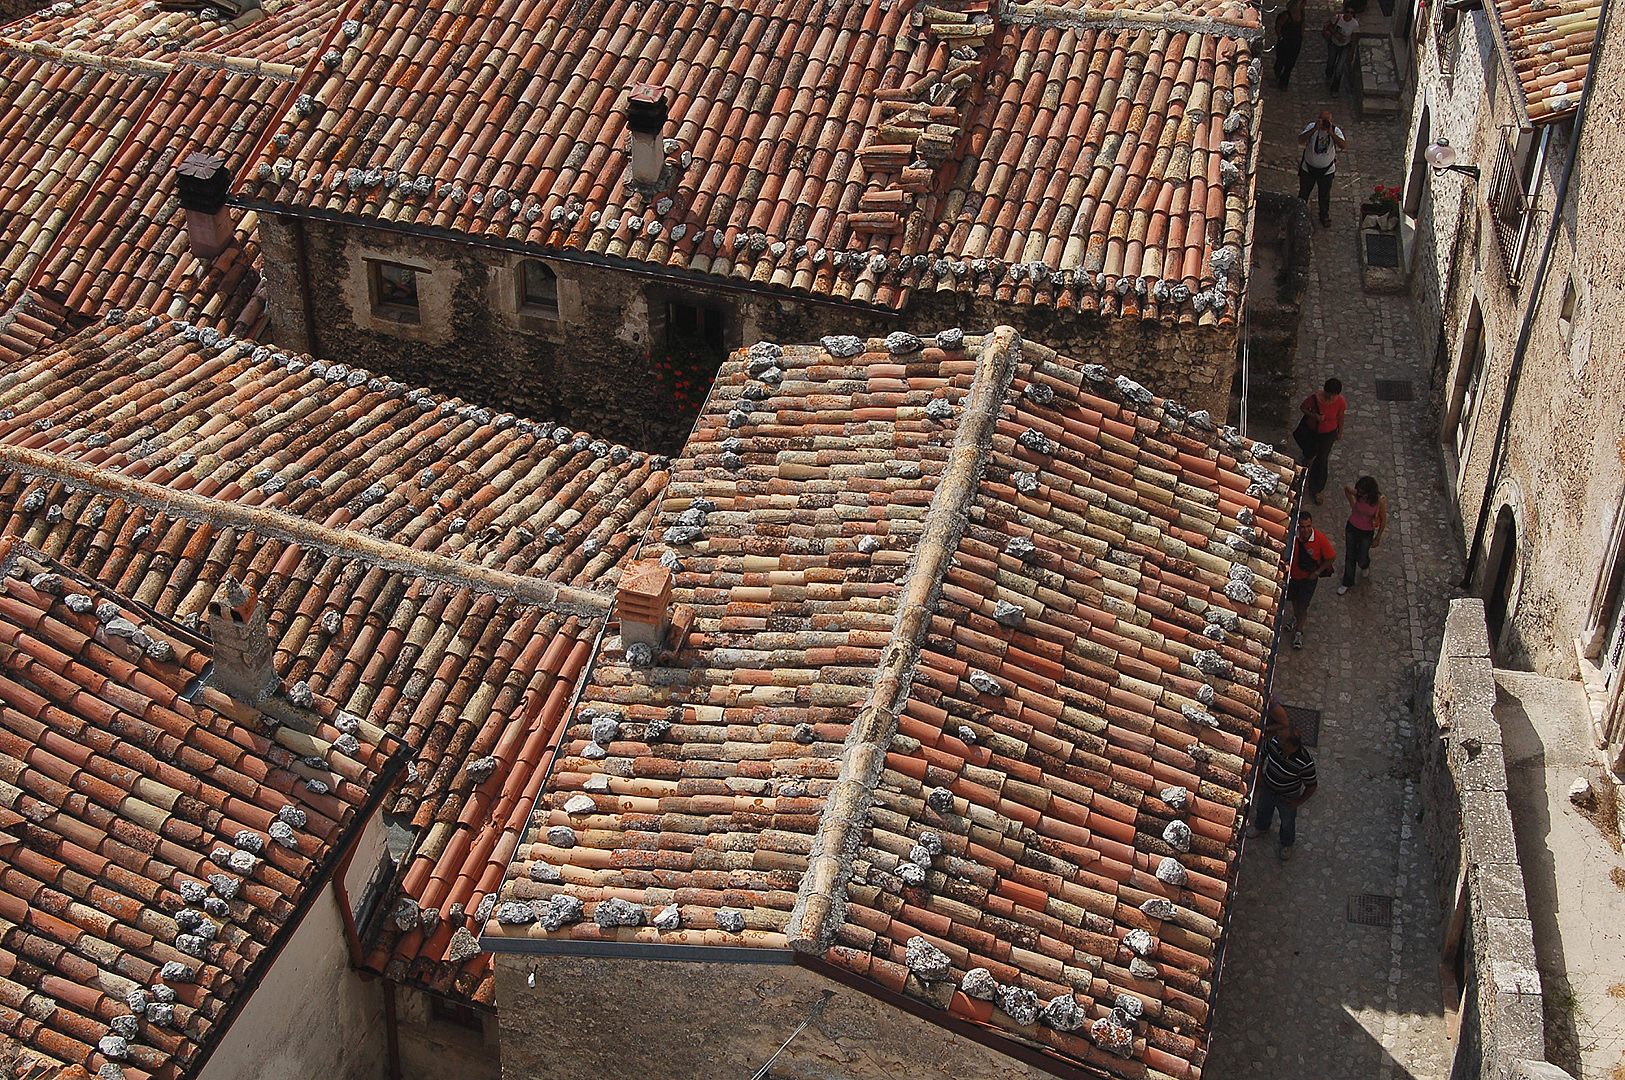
1307	990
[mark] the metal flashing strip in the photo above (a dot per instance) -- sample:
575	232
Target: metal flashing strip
636	950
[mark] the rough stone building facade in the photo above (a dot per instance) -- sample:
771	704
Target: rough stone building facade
1083	175
1530	415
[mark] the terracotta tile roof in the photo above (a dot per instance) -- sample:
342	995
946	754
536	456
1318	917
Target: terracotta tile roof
299	468
31	323
1549	43
1089	159
100	103
1062	590
157	843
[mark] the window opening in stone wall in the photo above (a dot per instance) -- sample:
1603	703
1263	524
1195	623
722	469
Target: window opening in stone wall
1469	381
538	288
455	1013
1421	172
394	291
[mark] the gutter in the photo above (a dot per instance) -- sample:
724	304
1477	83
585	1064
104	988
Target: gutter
1526	327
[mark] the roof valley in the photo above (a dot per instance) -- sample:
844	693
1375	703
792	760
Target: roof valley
820	906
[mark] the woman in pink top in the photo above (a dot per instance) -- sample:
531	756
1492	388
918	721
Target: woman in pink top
1320	427
1368	516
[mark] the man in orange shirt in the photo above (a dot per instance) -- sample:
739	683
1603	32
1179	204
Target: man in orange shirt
1312	559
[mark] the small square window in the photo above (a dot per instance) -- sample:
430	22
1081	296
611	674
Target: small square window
538	288
394	291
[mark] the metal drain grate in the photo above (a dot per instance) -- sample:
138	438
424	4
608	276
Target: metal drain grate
1307	721
1395	390
1382	250
1369	909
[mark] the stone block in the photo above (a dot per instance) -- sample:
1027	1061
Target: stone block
1519	1026
1480	769
1508	953
1471	700
1498	890
1465	631
1486	826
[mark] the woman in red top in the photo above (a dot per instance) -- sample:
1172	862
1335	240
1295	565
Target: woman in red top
1321	426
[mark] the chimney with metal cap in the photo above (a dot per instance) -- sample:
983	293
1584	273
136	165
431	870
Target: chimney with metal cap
203	182
243	663
646	117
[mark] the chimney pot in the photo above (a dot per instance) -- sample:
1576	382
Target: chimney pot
643	603
646	115
243	660
203	182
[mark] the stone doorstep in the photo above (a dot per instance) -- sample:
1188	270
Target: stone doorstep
1377	73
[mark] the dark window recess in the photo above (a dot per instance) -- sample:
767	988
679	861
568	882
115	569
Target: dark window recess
1395	390
693	324
395	290
452	1012
538	287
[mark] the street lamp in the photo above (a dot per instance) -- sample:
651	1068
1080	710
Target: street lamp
1442	156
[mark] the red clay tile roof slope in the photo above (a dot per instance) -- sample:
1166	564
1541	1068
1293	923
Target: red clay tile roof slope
32	323
1069	586
1549	44
157	844
100	103
860	151
474	682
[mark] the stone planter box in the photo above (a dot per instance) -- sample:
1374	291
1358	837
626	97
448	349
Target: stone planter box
1382	261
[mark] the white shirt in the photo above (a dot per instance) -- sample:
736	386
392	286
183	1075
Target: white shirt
1320	152
1344	27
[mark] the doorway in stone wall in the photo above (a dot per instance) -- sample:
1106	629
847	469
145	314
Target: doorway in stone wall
1502	577
689	342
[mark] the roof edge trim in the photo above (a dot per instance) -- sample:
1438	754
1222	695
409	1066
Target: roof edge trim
820	907
637	950
1050	15
294	530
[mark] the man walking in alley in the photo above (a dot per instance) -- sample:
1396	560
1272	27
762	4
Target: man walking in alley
1286	780
1321	141
1312	559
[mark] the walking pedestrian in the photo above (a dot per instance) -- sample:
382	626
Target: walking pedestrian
1321	141
1286	780
1368	516
1340	32
1288	39
1318	431
1312	559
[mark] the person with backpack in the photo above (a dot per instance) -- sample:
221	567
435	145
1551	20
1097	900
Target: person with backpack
1318	431
1312	559
1321	141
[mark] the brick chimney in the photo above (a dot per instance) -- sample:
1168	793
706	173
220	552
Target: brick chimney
646	116
643	602
243	664
203	182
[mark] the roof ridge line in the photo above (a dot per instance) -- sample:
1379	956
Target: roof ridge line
820	907
1040	13
289	528
57	54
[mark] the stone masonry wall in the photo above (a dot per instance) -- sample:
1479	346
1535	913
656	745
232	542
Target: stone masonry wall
1501	1006
615	1018
591	367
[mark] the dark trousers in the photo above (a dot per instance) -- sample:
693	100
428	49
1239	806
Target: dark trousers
1286	57
1337	62
1356	551
1265	804
1319	462
1309	179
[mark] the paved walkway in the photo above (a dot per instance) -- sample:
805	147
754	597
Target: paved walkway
1306	991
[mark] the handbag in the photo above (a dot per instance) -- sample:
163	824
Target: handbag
1307	436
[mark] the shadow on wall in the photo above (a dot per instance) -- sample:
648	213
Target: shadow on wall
1283	232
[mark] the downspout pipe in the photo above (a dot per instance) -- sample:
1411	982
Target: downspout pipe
1527	325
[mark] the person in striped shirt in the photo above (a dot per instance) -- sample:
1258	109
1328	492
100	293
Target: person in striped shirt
1286	780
